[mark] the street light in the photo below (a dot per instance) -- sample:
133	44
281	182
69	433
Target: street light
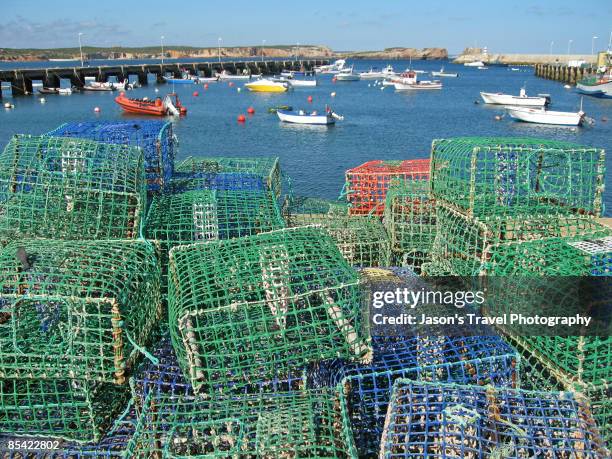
162	48
81	48
569	45
219	45
263	43
593	44
551	46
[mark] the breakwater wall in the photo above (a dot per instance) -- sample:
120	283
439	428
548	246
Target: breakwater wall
563	73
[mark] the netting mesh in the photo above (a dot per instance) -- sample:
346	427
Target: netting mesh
75	410
465	245
76	309
285	424
362	239
224	173
70	189
410	220
451	420
242	308
154	137
364	396
485	176
366	185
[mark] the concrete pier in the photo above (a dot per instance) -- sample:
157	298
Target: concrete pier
21	80
563	73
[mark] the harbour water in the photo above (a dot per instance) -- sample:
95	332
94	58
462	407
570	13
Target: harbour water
378	124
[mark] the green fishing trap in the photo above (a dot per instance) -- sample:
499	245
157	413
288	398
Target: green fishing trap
227	173
484	176
74	410
464	245
410	220
247	309
66	188
362	239
76	309
286	424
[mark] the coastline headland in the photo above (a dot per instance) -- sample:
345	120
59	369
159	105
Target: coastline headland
480	54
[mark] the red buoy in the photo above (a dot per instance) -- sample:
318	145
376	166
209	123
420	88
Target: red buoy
205	85
250	110
241	118
196	93
309	99
231	84
334	79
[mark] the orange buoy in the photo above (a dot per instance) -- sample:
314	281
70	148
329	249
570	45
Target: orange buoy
231	84
309	99
122	94
334	79
196	93
97	109
241	118
205	85
250	110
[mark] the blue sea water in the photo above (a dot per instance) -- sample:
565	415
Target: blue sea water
378	124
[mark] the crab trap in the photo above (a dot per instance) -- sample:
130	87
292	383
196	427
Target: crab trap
362	239
70	189
436	420
364	395
76	309
511	176
155	138
366	185
465	245
410	220
240	309
225	173
69	409
286	424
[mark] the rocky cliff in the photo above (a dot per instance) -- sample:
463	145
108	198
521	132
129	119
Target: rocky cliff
398	53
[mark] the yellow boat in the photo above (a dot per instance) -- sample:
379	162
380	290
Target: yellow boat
264	85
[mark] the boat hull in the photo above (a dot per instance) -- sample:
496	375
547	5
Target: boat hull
295	118
180	80
442	74
417	86
530	115
347	77
603	89
508	99
302	83
266	86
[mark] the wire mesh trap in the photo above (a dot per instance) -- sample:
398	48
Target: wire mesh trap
70	409
155	138
362	239
225	173
286	424
240	309
366	185
410	220
70	189
505	176
364	396
450	420
78	309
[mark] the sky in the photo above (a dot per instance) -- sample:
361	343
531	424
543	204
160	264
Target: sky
521	26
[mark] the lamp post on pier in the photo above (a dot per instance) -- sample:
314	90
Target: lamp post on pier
551	47
263	43
593	44
81	48
162	49
569	46
219	47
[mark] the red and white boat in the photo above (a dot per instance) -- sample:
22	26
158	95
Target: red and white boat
410	82
158	107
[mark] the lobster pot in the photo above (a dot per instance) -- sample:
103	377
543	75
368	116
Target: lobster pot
78	309
466	246
513	176
69	409
364	395
436	420
410	220
231	174
155	138
286	424
362	239
205	215
367	185
600	252
240	309
70	189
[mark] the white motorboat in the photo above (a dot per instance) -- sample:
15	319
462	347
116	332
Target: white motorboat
482	67
302	117
265	85
543	116
99	86
522	99
375	74
407	77
424	84
295	83
474	64
350	76
64	91
225	75
442	73
337	67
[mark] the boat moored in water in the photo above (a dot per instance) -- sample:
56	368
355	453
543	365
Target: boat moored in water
598	86
157	107
410	82
337	67
522	99
313	118
543	116
267	85
474	64
63	91
442	73
350	76
375	74
225	75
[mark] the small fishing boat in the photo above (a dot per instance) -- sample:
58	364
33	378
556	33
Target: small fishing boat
375	74
515	69
442	73
482	67
266	85
350	76
45	90
64	91
543	116
522	99
302	117
337	67
294	73
297	83
157	107
474	64
424	84
225	75
187	79
598	86
208	79
97	86
280	107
